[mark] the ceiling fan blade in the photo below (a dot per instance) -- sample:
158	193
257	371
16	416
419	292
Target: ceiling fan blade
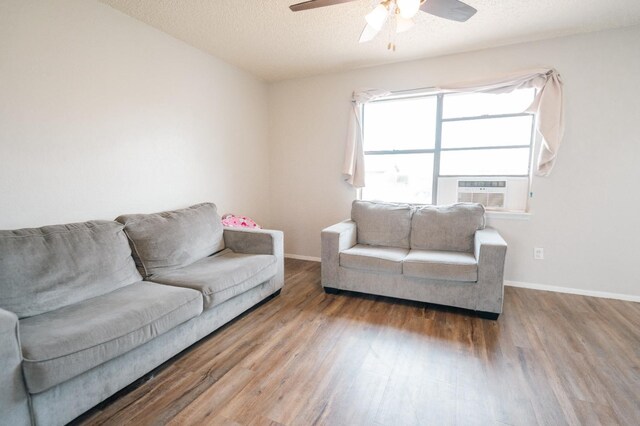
312	4
368	34
454	10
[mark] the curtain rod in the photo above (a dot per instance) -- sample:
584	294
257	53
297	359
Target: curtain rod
399	94
419	89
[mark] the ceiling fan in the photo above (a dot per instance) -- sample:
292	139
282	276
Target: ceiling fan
402	10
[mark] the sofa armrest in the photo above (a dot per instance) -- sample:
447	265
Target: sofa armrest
335	239
490	251
258	241
14	399
254	241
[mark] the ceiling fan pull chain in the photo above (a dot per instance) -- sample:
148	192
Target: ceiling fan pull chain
392	32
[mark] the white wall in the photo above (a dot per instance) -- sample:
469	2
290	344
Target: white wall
585	215
102	115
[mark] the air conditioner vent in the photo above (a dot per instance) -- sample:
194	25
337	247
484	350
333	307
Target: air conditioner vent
482	184
489	193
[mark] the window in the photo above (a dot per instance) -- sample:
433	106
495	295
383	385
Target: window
421	149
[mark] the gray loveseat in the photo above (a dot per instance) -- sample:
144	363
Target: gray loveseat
437	254
81	318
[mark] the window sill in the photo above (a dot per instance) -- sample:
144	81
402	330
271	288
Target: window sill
508	215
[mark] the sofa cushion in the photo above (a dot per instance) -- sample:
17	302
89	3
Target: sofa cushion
61	344
223	276
449	228
441	265
170	240
382	224
375	259
47	268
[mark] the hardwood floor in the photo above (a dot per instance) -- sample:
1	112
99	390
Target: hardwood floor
306	358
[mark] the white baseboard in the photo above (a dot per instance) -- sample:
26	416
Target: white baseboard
299	257
569	290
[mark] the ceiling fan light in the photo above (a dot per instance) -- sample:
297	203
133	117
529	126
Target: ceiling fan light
368	34
408	8
377	17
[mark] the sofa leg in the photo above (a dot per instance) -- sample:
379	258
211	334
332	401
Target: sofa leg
487	315
331	290
276	294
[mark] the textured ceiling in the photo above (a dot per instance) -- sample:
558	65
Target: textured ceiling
265	38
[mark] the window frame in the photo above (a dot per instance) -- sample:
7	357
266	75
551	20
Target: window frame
437	150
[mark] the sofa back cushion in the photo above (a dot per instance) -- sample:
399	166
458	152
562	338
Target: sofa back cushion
382	224
47	268
450	228
166	241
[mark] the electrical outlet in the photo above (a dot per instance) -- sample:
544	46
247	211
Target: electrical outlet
538	253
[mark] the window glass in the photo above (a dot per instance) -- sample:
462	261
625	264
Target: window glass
482	135
477	104
399	177
400	124
506	131
485	162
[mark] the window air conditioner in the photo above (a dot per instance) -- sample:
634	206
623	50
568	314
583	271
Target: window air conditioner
490	193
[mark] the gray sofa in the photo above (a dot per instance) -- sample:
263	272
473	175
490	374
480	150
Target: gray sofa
437	254
88	308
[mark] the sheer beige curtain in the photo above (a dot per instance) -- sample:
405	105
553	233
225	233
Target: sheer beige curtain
353	168
548	106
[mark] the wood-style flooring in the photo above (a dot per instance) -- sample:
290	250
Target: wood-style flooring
307	358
